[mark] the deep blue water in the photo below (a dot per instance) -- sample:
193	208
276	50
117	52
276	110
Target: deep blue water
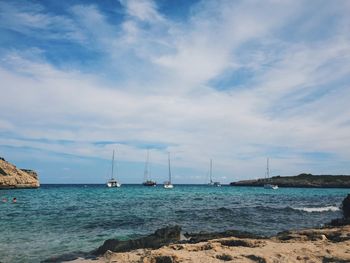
58	219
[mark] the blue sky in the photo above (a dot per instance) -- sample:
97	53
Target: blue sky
235	81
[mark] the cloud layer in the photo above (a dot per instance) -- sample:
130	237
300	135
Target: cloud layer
233	81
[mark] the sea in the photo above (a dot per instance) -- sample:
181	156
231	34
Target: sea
60	219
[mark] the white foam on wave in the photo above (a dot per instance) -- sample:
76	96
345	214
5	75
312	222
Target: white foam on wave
318	209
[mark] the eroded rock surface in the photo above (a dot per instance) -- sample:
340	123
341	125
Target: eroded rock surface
12	177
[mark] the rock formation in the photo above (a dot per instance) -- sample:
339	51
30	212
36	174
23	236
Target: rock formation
160	238
301	180
12	177
346	207
345	220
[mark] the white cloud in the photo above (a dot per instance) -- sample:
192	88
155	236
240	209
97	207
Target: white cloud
167	97
144	10
33	21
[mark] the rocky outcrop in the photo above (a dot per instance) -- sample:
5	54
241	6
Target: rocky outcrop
346	207
345	220
301	180
11	177
160	238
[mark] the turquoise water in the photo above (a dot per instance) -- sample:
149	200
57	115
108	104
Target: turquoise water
59	219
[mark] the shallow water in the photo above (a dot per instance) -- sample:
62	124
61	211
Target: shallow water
58	219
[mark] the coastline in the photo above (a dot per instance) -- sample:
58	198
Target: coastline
330	243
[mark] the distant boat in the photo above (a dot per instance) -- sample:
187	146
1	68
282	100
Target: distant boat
147	181
113	182
269	186
211	182
168	185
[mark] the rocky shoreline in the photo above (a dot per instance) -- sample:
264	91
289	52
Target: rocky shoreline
314	245
302	180
12	177
330	243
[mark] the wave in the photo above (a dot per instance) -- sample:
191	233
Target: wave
317	209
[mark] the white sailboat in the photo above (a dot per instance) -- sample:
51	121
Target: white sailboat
147	181
113	182
267	185
211	182
168	184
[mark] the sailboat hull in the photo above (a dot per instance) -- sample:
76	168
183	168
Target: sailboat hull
113	184
149	183
271	186
168	185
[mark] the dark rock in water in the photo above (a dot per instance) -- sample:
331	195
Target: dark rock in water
339	222
346	207
346	214
160	238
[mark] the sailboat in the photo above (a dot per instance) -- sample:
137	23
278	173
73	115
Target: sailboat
267	185
113	182
168	185
147	181
211	182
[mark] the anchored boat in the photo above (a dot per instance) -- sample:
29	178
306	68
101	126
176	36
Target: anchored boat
168	184
113	182
269	186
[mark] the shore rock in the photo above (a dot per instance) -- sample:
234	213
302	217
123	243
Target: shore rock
346	207
345	220
160	238
11	177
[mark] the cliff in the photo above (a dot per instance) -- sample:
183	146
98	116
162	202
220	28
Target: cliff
301	180
12	177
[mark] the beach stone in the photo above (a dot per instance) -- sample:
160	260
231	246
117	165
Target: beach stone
161	237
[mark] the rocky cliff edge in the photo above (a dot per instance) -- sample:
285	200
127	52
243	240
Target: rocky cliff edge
11	177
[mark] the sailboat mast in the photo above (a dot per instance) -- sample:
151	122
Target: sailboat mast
146	167
169	167
211	170
267	169
112	165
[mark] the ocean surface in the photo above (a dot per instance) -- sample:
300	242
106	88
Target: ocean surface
59	219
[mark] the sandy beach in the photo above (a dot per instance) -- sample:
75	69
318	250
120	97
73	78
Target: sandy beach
313	245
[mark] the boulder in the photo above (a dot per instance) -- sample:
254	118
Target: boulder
346	207
161	237
345	220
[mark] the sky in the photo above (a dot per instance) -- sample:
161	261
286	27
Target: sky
231	81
